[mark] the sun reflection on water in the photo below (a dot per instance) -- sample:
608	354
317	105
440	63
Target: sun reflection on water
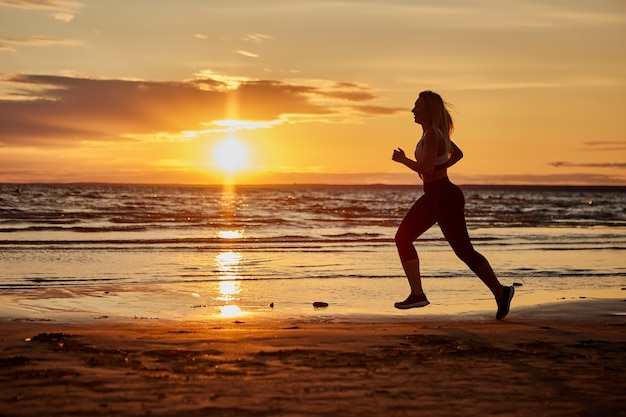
228	264
230	234
228	290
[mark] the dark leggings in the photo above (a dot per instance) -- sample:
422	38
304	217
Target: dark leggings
442	203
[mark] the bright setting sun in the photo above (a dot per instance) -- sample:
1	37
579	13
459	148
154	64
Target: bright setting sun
230	155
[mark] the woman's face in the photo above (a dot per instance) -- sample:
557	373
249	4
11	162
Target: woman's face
420	113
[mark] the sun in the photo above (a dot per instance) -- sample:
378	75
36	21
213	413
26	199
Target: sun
230	155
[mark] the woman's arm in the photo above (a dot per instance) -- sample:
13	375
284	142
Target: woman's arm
455	154
427	166
400	156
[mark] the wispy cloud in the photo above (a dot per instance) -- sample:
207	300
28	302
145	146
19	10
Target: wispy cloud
596	146
562	164
349	91
40	41
41	4
63	16
548	179
257	37
248	54
380	110
58	110
63	10
606	145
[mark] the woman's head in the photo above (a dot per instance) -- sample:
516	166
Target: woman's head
431	109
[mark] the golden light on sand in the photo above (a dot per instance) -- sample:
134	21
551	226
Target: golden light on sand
230	311
230	155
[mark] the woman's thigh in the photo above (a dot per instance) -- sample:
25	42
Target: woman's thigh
418	219
452	222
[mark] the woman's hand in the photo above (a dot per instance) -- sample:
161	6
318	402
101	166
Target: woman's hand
399	155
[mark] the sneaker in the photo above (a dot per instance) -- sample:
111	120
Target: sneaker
504	302
412	301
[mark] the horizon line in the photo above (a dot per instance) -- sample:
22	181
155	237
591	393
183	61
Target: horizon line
305	184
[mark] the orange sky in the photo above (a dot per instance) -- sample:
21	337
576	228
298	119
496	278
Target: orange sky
318	91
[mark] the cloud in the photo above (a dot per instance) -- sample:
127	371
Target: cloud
62	110
597	146
606	145
588	165
248	54
257	38
64	10
39	41
41	4
63	16
380	110
580	178
350	92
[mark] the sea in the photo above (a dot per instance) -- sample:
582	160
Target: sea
157	252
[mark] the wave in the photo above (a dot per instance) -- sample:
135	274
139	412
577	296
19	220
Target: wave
102	208
529	277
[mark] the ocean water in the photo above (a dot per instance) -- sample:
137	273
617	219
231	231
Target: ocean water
193	252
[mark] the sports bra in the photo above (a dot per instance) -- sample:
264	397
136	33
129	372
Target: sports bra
441	161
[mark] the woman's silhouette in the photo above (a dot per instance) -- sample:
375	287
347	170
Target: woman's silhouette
442	202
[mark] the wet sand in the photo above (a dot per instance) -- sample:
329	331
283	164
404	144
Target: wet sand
561	359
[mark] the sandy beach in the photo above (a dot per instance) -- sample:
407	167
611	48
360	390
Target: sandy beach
559	359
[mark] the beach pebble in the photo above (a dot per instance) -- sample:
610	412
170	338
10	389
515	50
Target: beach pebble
517	284
272	305
319	304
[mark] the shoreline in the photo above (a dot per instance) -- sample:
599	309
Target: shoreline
583	312
277	300
558	359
